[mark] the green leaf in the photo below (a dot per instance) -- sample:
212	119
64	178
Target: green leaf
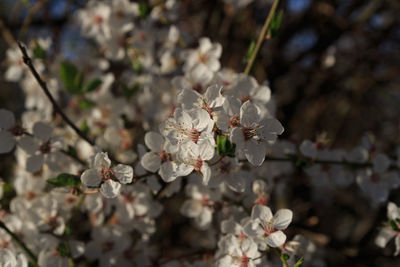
130	91
137	66
275	24
65	179
85	127
394	225
63	249
285	256
225	147
92	85
250	51
86	103
68	75
144	9
38	51
299	263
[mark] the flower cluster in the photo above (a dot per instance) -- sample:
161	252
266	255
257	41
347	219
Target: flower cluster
159	135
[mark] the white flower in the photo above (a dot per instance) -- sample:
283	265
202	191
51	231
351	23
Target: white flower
42	148
10	259
109	178
211	99
239	254
266	227
195	126
95	20
207	54
253	133
200	206
392	230
193	156
160	156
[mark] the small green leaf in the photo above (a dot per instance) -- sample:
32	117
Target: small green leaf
38	51
225	147
299	263
92	85
63	249
144	9
285	256
86	104
68	74
85	127
137	66
275	24
65	179
394	225
250	51
78	82
130	91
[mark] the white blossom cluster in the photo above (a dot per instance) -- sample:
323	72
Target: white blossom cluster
167	122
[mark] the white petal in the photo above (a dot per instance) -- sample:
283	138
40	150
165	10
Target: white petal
237	137
154	141
272	126
262	93
42	130
249	114
204	219
213	96
384	236
29	144
151	161
206	172
282	219
168	171
188	98
110	189
191	208
7	142
101	161
261	213
255	152
253	229
381	163
7	119
276	239
123	173
91	178
230	227
206	150
393	212
236	183
397	244
34	163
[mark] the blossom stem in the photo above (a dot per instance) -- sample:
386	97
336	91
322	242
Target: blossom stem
215	163
28	62
261	37
19	243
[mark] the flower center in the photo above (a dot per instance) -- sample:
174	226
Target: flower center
262	199
197	87
249	133
245	98
244	260
203	58
194	135
45	148
98	19
16	130
165	156
107	246
234	121
107	174
198	164
225	167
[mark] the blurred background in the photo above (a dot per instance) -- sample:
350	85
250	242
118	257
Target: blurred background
333	67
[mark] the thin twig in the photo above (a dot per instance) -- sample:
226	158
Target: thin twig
28	19
261	37
28	62
19	242
7	35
